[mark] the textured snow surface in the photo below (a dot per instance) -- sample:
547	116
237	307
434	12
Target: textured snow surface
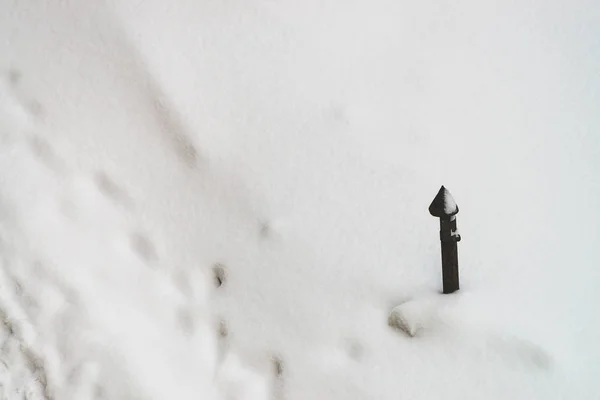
228	200
91	307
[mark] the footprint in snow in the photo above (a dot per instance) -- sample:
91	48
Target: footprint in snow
143	247
219	275
111	190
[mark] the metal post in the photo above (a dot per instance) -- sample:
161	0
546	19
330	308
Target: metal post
444	207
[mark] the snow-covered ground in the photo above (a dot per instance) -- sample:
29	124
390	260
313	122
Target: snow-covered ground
227	199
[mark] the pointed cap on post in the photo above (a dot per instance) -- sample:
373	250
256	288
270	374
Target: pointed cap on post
443	206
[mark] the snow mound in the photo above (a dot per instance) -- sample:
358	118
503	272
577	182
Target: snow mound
453	319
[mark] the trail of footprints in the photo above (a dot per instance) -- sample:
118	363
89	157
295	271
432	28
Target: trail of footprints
277	364
140	244
27	374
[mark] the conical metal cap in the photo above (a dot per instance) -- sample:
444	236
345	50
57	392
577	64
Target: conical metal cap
443	205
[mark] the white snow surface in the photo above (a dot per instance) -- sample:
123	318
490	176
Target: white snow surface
291	149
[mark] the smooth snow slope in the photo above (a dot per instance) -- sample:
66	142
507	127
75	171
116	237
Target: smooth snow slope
298	145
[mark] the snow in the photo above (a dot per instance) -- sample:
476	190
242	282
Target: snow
228	200
450	206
